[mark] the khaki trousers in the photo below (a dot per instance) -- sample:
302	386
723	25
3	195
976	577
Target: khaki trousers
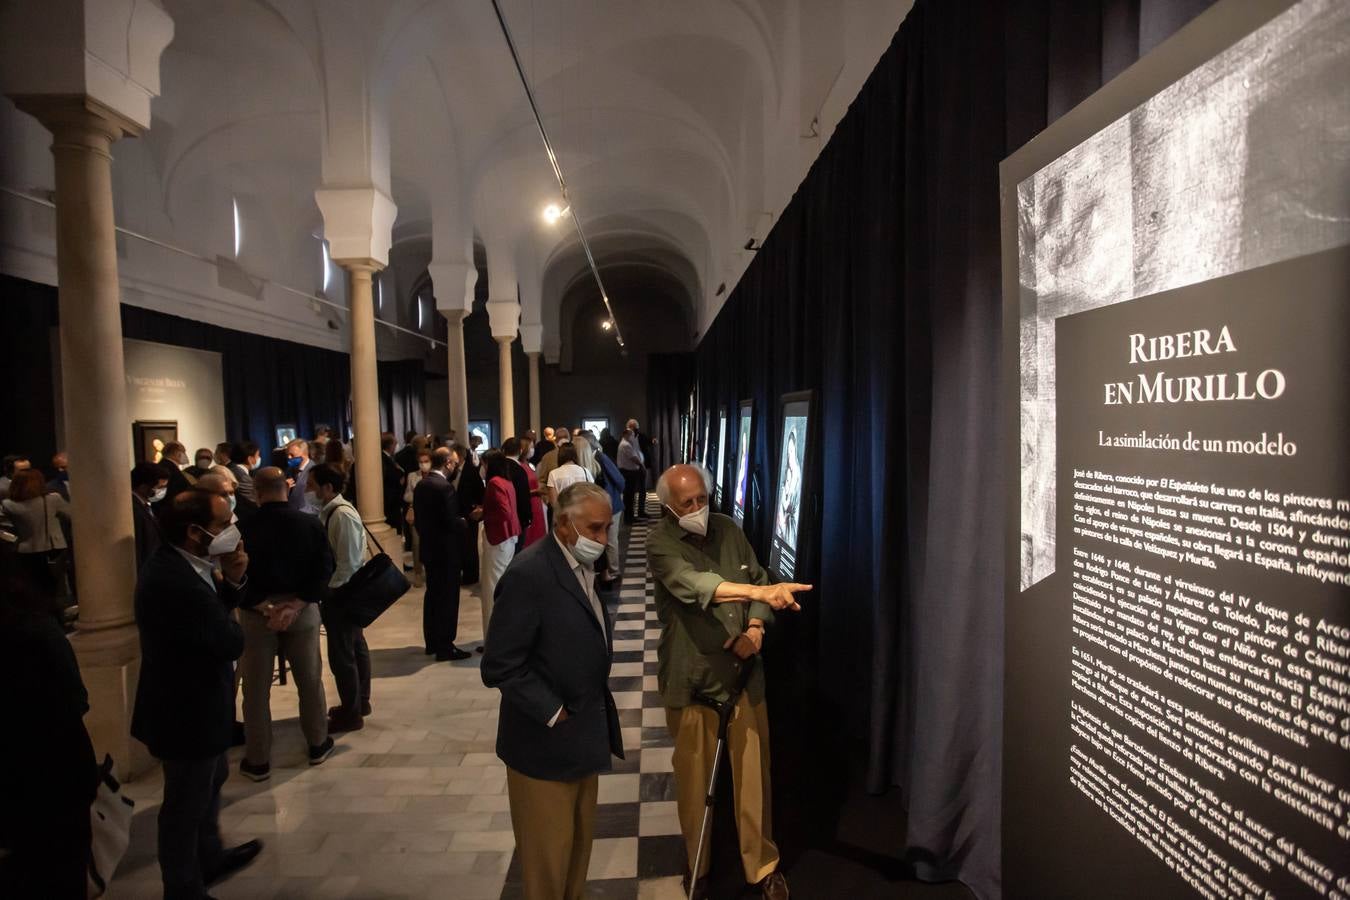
695	731
554	822
301	643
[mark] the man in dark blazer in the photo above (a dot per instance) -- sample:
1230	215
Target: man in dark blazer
185	698
172	460
393	477
549	648
149	483
470	490
521	482
440	529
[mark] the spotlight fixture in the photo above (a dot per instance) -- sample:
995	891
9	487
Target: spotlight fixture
552	213
607	324
721	289
751	245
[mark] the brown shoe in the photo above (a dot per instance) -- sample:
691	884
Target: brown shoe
344	721
774	886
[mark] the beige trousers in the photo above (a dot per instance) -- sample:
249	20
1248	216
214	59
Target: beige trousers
695	731
554	822
301	643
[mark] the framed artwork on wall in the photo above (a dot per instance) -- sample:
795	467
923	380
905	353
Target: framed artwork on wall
286	434
741	486
148	437
482	428
793	484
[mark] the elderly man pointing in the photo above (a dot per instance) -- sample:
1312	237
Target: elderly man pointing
714	602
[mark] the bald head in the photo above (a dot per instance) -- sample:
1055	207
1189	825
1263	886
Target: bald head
269	483
684	488
215	483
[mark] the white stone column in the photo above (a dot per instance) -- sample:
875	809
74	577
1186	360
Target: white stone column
358	223
453	284
457	374
504	316
506	388
366	404
534	392
106	642
531	339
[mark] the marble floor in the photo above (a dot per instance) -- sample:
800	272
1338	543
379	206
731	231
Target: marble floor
415	804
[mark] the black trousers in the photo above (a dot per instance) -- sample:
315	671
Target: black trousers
189	824
634	484
47	853
440	603
348	658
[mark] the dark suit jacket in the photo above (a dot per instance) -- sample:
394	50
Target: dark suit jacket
521	482
406	458
148	534
545	649
393	491
177	481
244	508
288	553
437	517
185	698
301	477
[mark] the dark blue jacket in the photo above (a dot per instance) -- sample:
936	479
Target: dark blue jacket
189	640
613	481
545	649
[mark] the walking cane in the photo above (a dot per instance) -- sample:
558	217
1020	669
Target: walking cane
724	710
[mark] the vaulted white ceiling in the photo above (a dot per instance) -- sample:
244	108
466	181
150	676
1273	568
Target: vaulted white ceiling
682	128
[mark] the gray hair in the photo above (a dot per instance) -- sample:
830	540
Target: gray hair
574	495
663	483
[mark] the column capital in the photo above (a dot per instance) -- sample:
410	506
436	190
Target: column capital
78	119
366	267
358	223
504	316
507	339
452	284
106	51
532	337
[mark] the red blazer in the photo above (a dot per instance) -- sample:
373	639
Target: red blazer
500	520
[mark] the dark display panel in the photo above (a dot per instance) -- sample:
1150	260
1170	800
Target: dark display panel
791	485
1177	261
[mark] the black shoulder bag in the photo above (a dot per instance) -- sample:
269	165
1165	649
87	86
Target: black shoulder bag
373	589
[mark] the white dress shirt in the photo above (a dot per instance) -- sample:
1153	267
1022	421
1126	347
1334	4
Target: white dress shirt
586	578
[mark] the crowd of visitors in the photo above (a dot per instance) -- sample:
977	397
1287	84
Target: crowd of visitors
238	554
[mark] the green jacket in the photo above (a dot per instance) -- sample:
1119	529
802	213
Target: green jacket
688	569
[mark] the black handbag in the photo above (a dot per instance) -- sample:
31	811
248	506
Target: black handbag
374	588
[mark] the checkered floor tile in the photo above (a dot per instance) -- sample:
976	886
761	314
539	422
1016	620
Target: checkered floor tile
638	850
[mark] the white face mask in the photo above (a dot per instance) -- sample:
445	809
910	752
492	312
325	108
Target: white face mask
695	522
225	542
424	466
158	494
585	550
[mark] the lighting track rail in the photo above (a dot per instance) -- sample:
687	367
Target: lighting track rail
557	170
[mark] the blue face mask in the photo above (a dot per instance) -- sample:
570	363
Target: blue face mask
294	462
232	502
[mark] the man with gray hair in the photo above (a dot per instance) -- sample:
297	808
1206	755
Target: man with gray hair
714	601
549	646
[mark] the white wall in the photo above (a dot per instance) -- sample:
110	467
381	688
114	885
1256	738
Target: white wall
166	383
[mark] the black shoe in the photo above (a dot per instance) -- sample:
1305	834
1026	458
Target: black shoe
232	860
260	772
318	754
365	708
345	721
237	735
700	889
454	654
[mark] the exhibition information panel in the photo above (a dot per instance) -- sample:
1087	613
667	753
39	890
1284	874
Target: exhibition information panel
1177	340
1204	547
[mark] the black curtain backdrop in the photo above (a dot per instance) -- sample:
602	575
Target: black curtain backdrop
670	378
879	288
267	381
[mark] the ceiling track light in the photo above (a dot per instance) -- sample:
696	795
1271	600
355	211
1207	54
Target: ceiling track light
557	171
